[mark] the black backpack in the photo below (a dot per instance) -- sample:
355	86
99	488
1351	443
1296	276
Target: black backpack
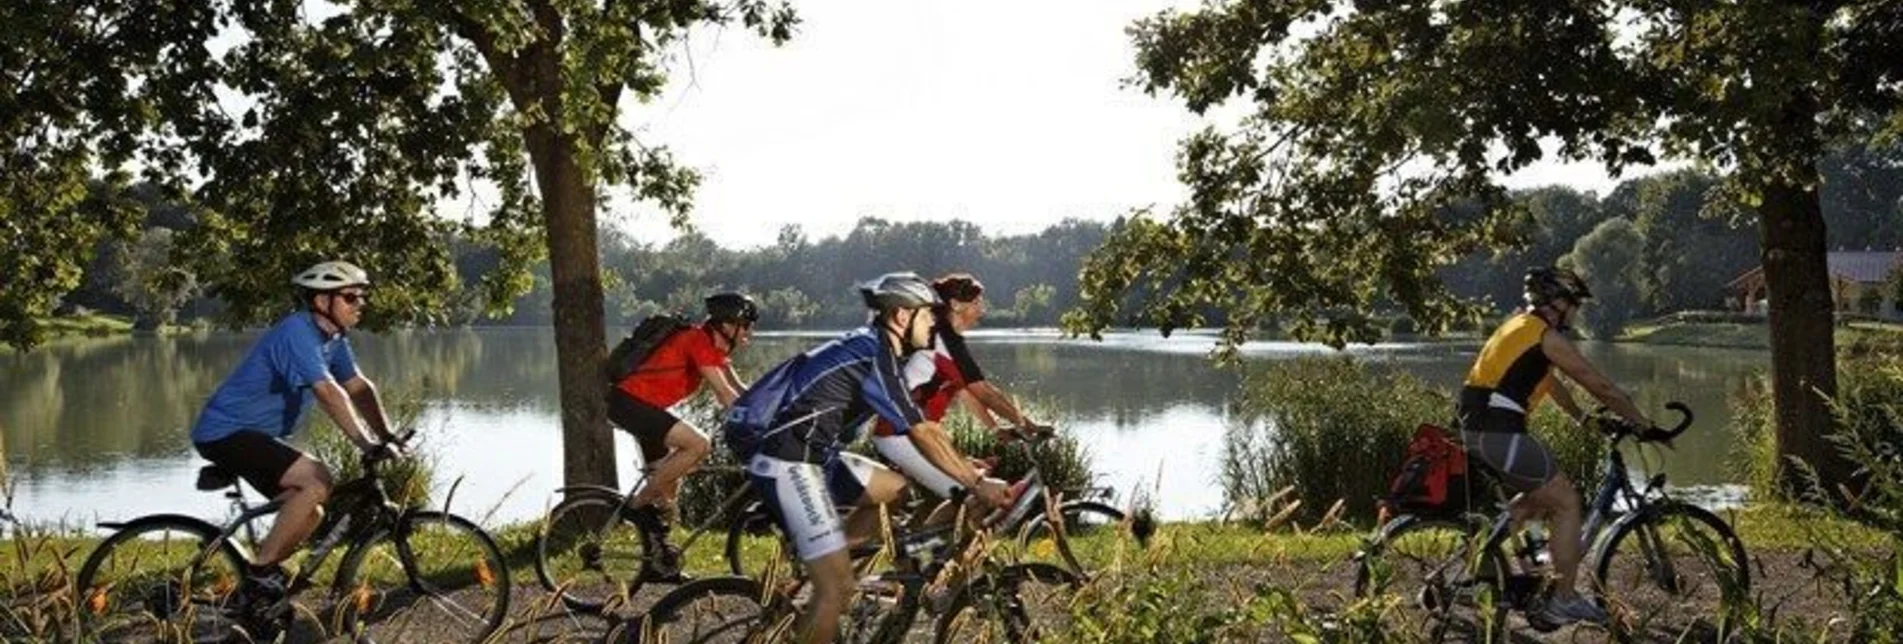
626	356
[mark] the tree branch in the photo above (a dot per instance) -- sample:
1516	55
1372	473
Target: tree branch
508	67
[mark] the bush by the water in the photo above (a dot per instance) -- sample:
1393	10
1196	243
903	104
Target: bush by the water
1336	428
409	480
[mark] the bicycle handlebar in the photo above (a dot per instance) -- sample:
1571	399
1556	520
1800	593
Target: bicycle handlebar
1620	427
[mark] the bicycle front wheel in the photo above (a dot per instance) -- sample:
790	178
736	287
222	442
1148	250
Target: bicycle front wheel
1442	587
1021	603
160	579
1671	570
435	577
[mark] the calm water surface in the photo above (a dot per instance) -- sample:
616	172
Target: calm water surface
97	428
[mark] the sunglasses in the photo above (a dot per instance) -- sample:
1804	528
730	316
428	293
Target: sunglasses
354	299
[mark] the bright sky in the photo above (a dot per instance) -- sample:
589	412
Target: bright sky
1006	113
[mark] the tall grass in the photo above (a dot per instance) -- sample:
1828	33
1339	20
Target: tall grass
409	481
1328	429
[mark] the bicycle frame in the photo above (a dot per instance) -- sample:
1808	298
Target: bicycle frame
731	505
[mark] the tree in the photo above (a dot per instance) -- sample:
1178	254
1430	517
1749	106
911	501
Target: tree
1608	259
1031	301
1365	119
1694	245
354	120
146	276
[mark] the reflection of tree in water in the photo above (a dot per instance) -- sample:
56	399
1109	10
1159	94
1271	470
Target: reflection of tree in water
89	402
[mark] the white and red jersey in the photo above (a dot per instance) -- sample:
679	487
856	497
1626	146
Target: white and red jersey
935	377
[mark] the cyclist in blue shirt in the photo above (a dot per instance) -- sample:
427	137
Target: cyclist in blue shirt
303	358
791	426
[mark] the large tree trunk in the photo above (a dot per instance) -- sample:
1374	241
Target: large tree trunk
1803	355
568	205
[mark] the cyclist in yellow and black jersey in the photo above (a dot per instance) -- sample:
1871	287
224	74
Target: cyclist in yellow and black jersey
1515	371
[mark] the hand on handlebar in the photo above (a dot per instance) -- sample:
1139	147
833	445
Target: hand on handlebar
993	492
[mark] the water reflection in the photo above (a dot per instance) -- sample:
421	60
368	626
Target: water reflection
99	427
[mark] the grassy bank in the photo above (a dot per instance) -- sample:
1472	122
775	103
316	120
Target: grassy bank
1745	336
1195	580
94	325
32	558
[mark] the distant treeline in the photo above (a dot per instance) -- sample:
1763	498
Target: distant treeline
1655	244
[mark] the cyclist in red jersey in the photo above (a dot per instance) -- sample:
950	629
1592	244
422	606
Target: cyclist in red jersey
673	371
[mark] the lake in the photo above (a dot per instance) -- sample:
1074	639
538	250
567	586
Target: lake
96	429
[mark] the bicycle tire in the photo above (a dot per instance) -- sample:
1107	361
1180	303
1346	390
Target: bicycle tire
457	589
597	568
1435	607
731	605
1622	590
158	597
1003	594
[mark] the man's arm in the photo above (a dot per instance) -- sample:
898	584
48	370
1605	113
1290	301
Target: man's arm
995	400
726	384
364	397
1566	356
337	404
976	409
1563	396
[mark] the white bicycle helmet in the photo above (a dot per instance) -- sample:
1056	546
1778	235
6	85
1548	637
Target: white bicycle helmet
892	291
330	276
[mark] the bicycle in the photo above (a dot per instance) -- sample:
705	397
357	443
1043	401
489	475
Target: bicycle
1462	580
167	577
990	602
592	555
1024	519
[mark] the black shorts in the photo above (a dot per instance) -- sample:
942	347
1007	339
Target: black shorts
259	459
648	424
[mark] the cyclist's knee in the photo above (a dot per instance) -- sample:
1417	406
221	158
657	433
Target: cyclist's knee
308	476
690	443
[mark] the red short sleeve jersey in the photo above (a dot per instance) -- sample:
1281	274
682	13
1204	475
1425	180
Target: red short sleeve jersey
672	372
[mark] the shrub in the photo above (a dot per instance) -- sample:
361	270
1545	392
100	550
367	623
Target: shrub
1333	428
1329	427
408	480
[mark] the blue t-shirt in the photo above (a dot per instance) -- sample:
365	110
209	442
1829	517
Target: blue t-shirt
271	388
811	406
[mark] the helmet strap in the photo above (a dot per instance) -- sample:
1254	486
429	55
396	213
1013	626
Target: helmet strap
341	331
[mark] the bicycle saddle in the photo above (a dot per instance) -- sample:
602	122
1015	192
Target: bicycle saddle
212	478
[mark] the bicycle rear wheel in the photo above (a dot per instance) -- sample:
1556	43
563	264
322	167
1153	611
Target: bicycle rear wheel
1671	570
1442	587
436	577
1021	603
715	610
587	554
148	583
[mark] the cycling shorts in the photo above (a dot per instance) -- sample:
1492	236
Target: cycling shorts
258	458
648	424
1497	438
901	453
804	498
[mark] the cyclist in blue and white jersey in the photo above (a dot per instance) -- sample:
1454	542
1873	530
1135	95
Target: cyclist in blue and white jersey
792	425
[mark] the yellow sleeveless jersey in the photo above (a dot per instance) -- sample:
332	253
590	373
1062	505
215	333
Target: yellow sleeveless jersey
1512	371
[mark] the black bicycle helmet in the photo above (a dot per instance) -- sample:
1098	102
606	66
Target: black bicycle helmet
1545	285
732	306
893	291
